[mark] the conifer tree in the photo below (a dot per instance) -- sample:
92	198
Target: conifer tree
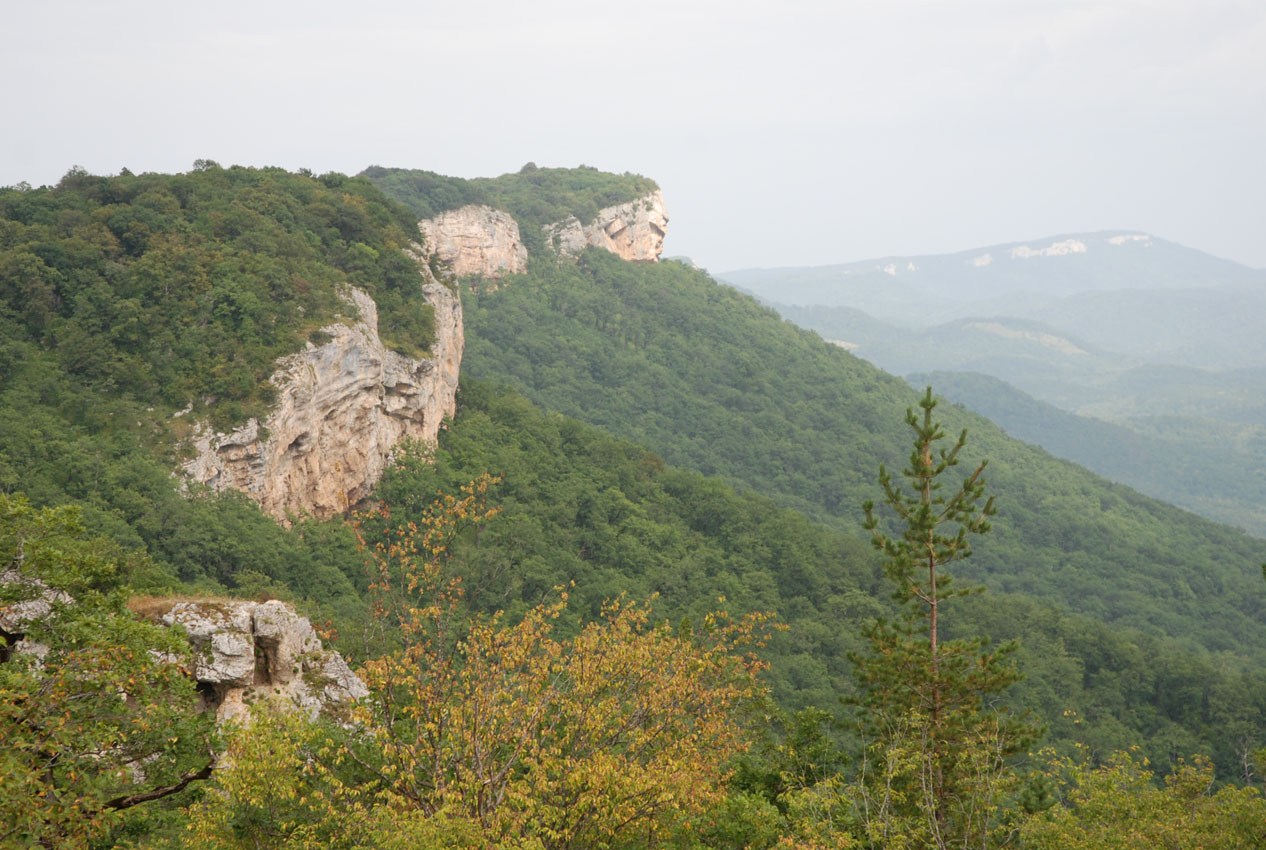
937	763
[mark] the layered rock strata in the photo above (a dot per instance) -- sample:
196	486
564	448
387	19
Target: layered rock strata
341	409
476	240
246	652
633	231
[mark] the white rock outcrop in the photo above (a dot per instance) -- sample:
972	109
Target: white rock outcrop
246	652
39	602
633	231
341	409
476	240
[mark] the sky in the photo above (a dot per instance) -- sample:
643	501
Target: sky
783	134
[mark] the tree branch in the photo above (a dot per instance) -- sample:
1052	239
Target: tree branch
129	800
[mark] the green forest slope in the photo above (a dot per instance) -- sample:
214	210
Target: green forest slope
581	506
710	380
1137	616
1212	468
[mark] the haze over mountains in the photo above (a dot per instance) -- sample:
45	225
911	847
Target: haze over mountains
1156	338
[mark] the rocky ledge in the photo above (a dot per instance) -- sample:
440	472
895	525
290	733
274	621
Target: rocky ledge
246	652
479	240
634	231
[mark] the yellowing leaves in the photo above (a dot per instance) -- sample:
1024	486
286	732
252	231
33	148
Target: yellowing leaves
502	730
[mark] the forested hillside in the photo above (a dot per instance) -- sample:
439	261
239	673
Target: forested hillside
582	506
712	381
1126	328
626	600
1210	468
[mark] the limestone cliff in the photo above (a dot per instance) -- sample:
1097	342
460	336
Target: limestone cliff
341	408
248	651
633	231
476	240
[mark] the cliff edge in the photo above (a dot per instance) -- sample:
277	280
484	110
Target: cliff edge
476	240
633	231
341	408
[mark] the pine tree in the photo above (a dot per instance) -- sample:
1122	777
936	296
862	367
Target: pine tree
938	760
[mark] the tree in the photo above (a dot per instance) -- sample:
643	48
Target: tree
619	734
937	765
97	716
1120	805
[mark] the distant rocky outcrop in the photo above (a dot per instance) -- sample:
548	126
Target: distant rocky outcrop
246	652
341	409
633	231
479	240
476	240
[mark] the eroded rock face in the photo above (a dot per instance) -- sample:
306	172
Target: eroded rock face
341	409
249	651
476	240
633	231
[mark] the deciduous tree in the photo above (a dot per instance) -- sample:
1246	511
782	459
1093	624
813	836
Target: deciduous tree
97	716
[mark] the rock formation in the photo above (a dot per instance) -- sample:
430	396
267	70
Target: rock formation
633	231
249	651
476	240
17	616
341	409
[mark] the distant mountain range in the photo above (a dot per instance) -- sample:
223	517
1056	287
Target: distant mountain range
1159	339
1009	279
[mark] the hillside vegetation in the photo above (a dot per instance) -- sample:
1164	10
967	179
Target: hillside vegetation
169	289
582	506
1209	467
712	381
618	604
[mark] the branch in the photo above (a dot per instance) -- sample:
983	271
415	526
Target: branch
129	800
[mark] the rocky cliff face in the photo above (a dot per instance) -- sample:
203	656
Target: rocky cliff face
634	231
476	240
249	651
341	409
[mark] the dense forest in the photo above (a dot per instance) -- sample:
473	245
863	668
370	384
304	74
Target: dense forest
627	601
712	381
1153	345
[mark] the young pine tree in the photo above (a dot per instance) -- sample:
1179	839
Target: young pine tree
937	766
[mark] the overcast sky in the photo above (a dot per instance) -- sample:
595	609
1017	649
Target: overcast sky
788	133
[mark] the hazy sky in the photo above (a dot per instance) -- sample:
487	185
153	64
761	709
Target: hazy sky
788	133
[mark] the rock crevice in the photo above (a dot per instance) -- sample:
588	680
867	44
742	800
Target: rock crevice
245	652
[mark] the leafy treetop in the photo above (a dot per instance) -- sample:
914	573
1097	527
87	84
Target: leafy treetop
168	289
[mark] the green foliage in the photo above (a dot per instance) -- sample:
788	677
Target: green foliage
103	722
1119	805
168	289
580	507
940	742
1211	467
534	196
710	381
